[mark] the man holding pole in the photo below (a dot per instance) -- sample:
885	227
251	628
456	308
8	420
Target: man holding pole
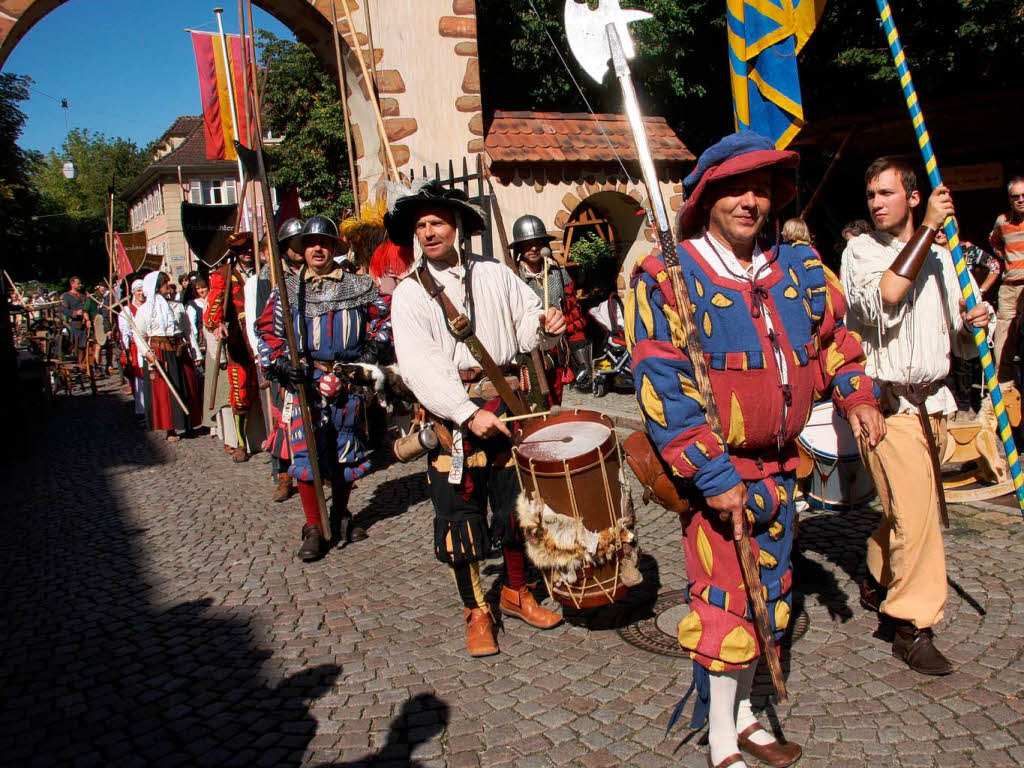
906	304
225	318
328	311
771	326
467	393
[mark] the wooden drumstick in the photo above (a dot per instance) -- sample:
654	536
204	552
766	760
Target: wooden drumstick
524	416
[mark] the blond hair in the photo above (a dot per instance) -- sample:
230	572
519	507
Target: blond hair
796	231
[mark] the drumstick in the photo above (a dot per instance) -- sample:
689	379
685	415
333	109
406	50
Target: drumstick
525	416
566	439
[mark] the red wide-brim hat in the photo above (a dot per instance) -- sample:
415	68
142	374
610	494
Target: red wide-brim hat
736	154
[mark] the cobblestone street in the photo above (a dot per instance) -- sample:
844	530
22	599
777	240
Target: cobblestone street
155	614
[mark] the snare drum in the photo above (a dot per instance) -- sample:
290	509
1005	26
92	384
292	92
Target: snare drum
578	536
838	479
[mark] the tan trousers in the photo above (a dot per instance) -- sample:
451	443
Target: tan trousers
905	553
1009	297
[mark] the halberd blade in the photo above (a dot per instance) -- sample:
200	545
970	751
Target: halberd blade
588	39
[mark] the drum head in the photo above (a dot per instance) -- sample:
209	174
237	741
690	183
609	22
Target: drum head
828	435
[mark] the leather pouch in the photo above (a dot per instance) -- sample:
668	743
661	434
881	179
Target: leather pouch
654	475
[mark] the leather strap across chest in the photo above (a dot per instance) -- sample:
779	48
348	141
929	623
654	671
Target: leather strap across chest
461	328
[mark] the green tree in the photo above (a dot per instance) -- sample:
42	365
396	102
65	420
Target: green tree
301	104
17	199
71	214
682	71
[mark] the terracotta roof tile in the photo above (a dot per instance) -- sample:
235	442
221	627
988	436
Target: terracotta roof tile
574	137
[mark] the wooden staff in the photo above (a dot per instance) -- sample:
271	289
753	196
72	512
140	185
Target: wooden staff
248	88
343	92
14	287
828	172
145	349
373	96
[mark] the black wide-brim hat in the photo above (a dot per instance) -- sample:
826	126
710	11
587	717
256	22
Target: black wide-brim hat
400	220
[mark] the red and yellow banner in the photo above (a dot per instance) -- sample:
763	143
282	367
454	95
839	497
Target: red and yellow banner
214	72
121	261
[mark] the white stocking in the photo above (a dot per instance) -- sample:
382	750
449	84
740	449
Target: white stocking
744	713
722	716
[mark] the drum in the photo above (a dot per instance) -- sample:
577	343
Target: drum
99	329
838	479
571	510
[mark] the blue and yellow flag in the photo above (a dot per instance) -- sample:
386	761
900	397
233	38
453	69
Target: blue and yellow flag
764	38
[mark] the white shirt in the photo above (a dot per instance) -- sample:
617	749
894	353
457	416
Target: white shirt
908	342
506	319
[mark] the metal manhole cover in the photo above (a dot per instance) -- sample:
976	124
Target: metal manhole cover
657	633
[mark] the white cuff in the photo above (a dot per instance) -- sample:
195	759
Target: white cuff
464	412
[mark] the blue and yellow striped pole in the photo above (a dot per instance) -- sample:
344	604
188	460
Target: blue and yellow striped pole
932	167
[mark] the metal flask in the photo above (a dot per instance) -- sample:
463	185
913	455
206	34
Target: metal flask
415	444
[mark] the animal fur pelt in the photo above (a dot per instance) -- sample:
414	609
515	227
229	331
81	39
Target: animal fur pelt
562	545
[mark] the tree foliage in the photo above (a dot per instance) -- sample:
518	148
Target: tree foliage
682	67
71	214
17	200
302	105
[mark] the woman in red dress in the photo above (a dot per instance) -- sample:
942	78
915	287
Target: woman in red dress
166	328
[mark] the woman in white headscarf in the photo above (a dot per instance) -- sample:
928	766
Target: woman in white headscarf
131	358
169	334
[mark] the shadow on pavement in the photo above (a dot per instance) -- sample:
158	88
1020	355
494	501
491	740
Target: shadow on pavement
94	672
420	720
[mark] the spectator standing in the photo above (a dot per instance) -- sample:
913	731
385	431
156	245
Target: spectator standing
1007	240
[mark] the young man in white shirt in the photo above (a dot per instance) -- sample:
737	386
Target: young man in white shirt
905	302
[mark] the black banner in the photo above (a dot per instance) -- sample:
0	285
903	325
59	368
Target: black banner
206	229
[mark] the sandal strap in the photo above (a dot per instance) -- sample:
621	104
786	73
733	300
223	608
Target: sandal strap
752	729
732	759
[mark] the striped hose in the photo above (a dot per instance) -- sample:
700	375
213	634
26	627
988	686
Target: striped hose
932	167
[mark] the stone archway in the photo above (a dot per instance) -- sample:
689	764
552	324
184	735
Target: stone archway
311	24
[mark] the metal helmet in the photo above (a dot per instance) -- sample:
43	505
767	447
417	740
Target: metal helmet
529	227
320	225
288	230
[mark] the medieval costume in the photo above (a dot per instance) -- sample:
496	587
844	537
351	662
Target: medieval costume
773	335
533	258
329	314
72	305
466	472
166	329
132	362
280	400
908	346
225	308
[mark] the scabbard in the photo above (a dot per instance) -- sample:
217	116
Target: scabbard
933	454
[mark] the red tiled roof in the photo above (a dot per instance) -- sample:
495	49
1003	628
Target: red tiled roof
575	137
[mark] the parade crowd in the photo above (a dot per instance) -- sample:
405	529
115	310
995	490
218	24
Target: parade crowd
458	345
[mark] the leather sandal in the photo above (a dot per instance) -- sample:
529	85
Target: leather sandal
733	759
776	754
871	594
916	647
521	604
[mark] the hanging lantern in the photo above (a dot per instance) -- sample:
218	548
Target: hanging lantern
69	170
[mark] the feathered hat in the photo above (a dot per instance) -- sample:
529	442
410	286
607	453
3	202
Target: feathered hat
400	219
366	232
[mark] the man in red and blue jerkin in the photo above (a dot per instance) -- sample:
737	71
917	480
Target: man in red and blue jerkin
770	320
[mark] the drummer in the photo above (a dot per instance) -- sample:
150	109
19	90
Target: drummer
472	465
771	325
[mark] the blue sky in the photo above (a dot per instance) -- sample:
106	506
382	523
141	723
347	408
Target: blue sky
126	67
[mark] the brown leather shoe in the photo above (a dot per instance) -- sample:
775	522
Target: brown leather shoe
284	489
521	604
238	455
871	594
228	449
480	632
313	544
734	759
916	647
776	754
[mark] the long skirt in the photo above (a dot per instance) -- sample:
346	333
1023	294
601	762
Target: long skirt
162	409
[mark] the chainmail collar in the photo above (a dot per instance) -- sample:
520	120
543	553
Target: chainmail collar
535	280
330	294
